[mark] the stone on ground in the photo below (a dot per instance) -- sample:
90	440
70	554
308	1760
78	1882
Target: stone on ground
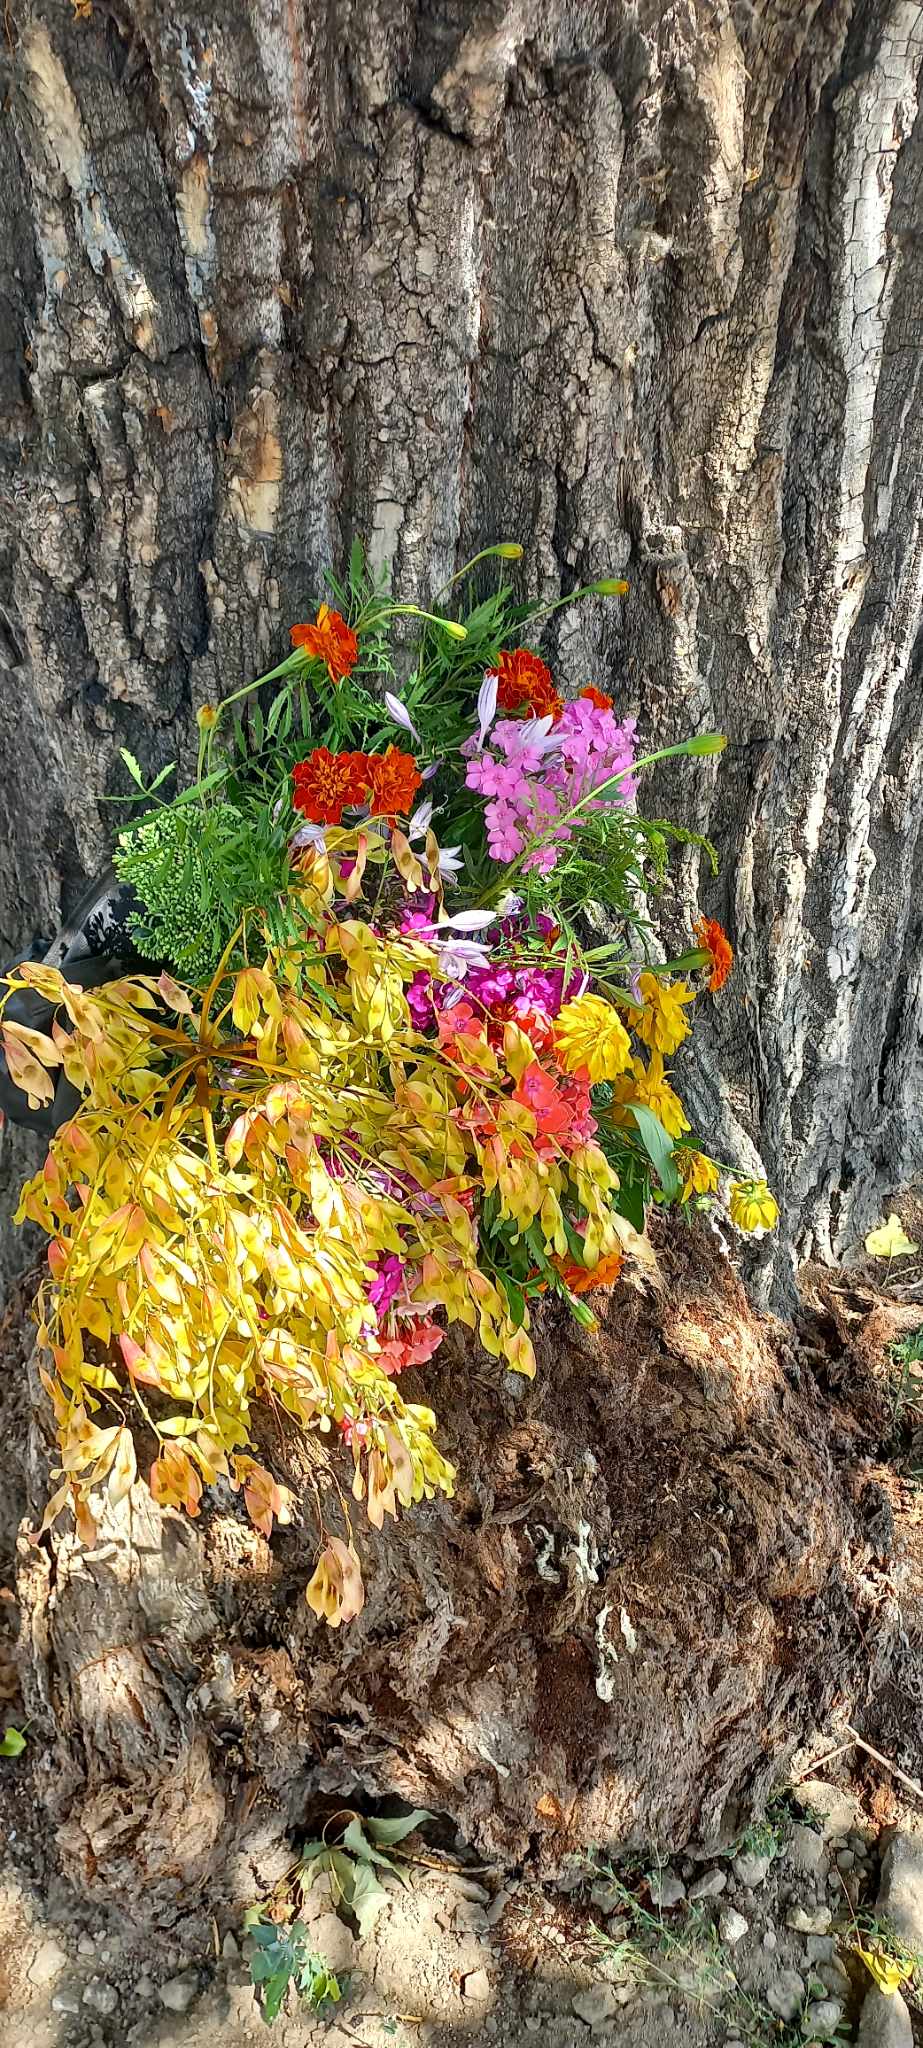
786	1994
838	1811
885	2022
595	2005
900	1896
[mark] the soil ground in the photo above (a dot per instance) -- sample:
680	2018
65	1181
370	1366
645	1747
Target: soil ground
461	1954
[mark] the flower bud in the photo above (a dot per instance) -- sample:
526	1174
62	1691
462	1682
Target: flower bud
508	550
707	743
206	717
611	586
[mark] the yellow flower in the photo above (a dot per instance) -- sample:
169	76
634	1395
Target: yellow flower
752	1206
661	1023
589	1033
700	1175
653	1088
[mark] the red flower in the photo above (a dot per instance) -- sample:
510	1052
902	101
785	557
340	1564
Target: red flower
597	697
412	1344
394	779
525	684
330	640
534	1023
325	783
717	943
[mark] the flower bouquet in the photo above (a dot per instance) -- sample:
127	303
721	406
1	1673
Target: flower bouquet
395	1056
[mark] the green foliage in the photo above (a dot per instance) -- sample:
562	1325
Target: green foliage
355	1860
283	1956
12	1743
352	1853
910	1351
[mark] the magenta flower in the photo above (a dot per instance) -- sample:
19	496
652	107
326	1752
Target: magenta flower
388	1282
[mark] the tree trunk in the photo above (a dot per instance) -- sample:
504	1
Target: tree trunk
634	284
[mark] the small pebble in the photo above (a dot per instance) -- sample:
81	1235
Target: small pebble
807	1851
732	1926
178	1992
595	2005
470	1917
476	1984
815	1921
47	1963
606	1895
145	1987
533	2024
845	1859
229	1949
86	1946
786	1994
666	1890
819	1948
101	1997
468	1888
769	1938
68	1999
710	1886
750	1869
498	1906
825	2014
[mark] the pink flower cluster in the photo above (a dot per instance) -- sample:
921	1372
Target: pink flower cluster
534	774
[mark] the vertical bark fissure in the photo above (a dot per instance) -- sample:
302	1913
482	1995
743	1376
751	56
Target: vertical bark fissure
636	287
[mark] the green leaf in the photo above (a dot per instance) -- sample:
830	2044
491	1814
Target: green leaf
356	567
630	1202
133	767
368	1897
343	1871
13	1743
391	1831
275	712
356	1843
658	1146
516	1303
274	1992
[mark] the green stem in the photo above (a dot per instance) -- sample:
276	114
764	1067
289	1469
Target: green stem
502	549
573	596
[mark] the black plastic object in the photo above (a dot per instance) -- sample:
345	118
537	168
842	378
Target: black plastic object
92	948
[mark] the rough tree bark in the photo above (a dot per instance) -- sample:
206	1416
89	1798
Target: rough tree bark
639	285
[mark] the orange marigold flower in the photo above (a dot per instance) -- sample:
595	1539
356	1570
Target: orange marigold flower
525	684
325	783
331	641
394	779
717	943
597	697
582	1279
